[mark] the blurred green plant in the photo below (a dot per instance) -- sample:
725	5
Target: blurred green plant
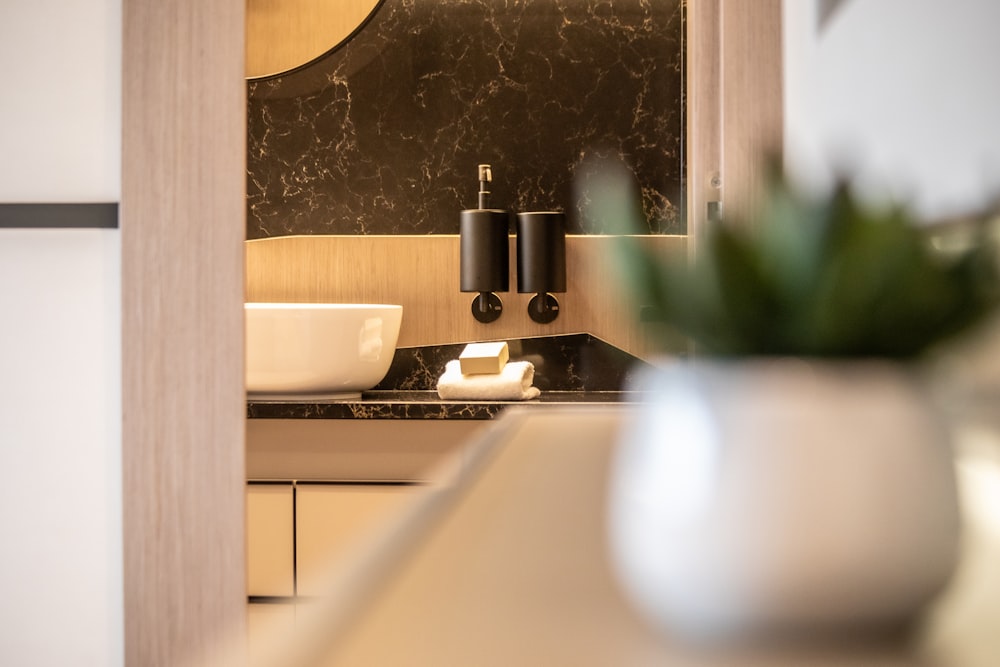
824	277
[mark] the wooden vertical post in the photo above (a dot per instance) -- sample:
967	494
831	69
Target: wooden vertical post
182	225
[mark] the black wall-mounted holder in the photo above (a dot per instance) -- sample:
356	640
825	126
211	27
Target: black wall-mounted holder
541	261
484	259
487	307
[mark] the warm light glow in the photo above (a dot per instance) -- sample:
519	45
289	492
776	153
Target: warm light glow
979	479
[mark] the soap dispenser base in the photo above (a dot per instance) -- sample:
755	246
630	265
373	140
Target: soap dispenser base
543	308
487	307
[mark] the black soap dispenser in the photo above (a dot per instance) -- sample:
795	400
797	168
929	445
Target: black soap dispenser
484	258
541	261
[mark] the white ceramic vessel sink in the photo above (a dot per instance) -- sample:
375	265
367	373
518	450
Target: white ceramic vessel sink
318	350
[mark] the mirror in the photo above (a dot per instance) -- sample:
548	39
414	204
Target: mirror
283	35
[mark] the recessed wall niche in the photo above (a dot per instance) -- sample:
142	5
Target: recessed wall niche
384	133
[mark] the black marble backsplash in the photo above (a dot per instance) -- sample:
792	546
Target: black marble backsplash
570	362
383	135
570	369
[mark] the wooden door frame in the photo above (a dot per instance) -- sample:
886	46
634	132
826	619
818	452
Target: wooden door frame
183	225
735	106
183	404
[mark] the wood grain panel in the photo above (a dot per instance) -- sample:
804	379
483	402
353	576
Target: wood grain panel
421	273
182	222
752	105
704	114
735	105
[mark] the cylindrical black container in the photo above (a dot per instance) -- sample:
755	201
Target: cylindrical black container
541	252
484	262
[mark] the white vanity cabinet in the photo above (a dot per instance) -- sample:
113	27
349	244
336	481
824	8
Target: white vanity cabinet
268	624
298	531
270	539
358	450
318	486
296	534
332	519
270	535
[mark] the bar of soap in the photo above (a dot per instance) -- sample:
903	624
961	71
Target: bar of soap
483	358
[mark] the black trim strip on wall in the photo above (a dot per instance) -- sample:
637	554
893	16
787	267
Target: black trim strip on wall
59	216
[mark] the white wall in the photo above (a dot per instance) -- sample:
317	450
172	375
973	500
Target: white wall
60	112
60	348
903	91
60	498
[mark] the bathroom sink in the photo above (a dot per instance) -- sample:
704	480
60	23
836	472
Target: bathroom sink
318	350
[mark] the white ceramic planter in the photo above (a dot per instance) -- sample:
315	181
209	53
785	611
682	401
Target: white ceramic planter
783	497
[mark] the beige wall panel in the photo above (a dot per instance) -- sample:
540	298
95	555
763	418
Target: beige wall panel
422	272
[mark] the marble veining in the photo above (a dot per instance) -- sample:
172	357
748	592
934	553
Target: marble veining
570	362
383	135
383	404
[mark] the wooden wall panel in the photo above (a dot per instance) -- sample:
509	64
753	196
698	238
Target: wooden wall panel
422	274
735	105
182	227
704	109
750	47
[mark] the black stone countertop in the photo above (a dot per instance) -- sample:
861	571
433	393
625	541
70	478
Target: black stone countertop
574	369
385	404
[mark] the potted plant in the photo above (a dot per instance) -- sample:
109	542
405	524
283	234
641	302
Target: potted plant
792	475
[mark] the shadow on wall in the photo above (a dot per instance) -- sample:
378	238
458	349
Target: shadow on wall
827	9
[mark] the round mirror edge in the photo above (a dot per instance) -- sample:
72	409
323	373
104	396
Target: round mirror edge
336	47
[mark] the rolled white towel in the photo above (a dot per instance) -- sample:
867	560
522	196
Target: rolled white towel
512	383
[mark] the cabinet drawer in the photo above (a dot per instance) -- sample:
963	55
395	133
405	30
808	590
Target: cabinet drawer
332	518
358	450
270	540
